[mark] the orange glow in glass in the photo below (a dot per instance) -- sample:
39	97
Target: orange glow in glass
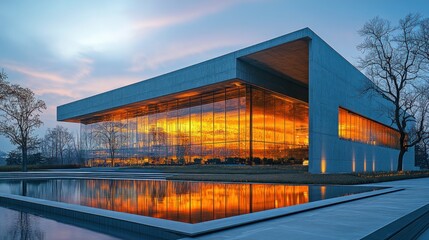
354	127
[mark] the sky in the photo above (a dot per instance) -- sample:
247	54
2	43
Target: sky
68	50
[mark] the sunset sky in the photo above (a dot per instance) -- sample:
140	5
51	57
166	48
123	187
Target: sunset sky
68	50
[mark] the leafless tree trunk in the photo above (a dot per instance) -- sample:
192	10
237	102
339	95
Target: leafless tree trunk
423	39
87	142
111	134
59	141
19	115
77	148
425	145
393	63
64	139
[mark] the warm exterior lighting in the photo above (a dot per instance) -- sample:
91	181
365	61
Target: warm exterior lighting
364	164
323	165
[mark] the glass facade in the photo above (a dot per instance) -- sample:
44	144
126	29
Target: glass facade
241	124
354	127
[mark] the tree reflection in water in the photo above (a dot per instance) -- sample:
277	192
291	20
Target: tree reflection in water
20	225
190	202
23	227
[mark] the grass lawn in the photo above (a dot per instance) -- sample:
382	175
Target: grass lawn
291	174
294	174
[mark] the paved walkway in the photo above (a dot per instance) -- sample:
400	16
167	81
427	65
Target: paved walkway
353	220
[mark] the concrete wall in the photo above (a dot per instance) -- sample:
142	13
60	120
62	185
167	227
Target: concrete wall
335	82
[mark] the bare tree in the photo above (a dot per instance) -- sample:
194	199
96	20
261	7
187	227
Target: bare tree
64	141
87	142
393	63
19	115
423	39
110	133
422	154
426	150
3	85
58	141
76	146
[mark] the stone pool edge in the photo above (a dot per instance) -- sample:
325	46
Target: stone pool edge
171	229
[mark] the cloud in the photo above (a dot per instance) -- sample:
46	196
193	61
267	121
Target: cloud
59	83
83	70
63	61
33	73
81	89
190	14
178	51
56	91
96	85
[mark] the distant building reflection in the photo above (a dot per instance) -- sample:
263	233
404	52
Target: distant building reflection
190	202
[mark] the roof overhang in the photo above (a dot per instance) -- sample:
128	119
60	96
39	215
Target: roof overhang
283	59
288	60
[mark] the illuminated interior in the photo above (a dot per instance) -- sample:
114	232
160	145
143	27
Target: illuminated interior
237	123
354	127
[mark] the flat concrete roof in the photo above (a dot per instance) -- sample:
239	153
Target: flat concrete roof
276	60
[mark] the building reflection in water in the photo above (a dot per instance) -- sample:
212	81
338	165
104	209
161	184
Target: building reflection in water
190	202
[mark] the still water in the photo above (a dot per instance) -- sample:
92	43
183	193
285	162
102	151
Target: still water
25	226
189	202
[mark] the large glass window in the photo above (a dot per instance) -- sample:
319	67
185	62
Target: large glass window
241	124
354	127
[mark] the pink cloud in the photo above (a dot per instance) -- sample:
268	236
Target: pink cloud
33	73
67	92
83	70
46	82
96	85
204	9
179	51
81	89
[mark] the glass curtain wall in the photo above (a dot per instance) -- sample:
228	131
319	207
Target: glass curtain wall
243	124
354	127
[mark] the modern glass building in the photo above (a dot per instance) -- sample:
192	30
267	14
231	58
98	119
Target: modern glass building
232	123
292	99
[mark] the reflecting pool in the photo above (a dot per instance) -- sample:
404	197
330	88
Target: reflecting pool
26	226
189	202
